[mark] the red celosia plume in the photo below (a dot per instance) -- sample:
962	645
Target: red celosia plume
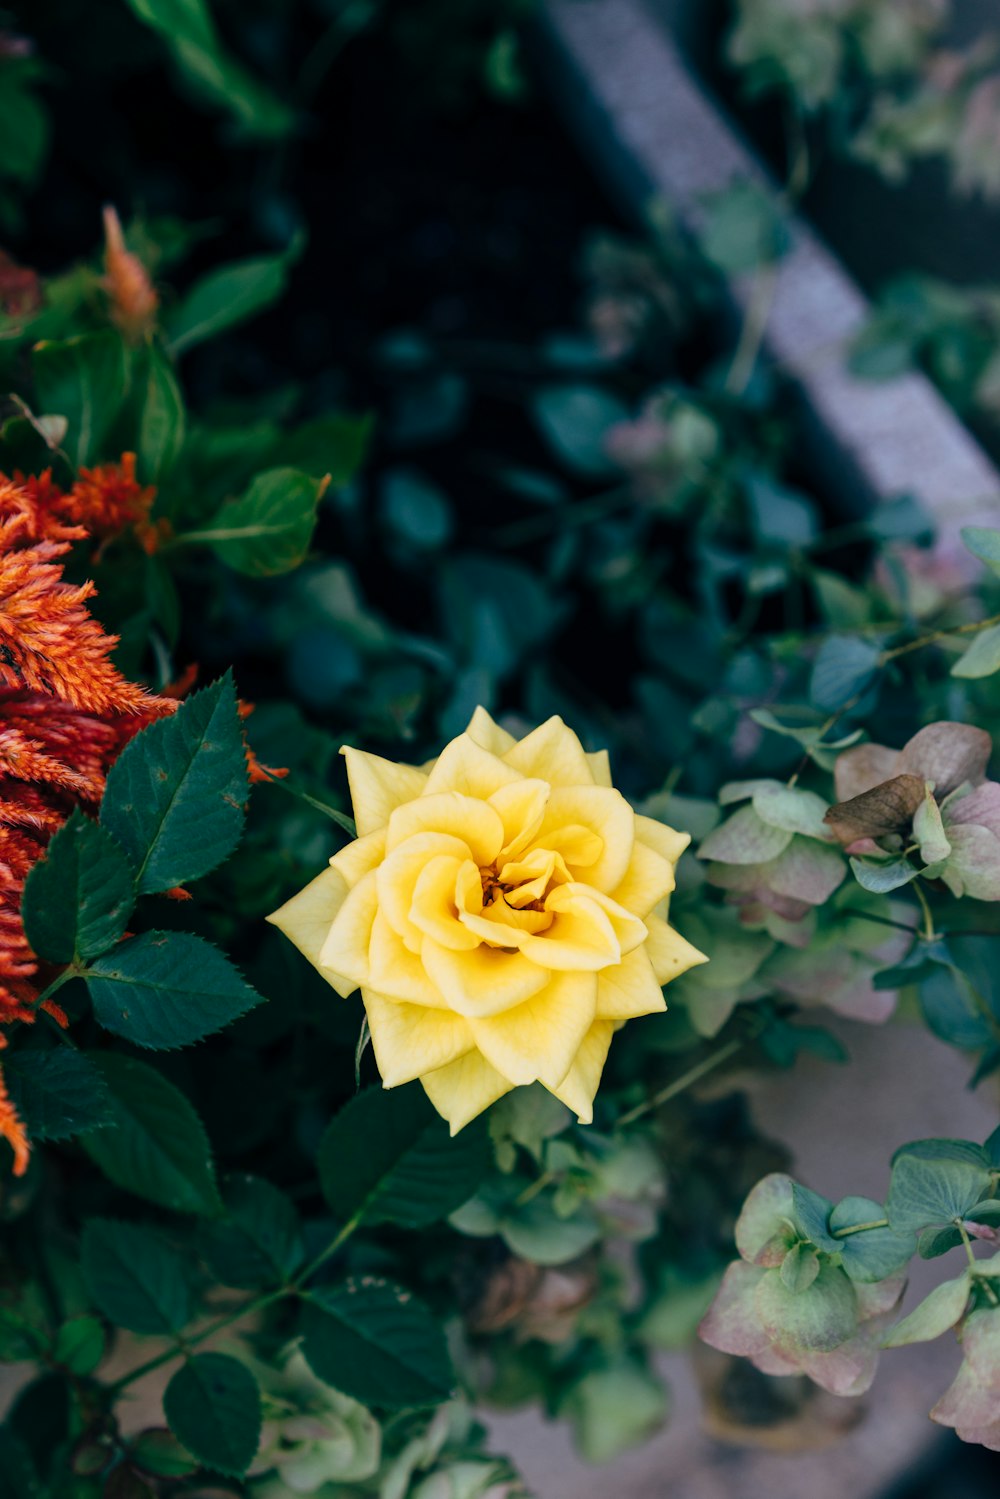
65	709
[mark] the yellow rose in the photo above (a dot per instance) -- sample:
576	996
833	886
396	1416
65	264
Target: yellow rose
503	911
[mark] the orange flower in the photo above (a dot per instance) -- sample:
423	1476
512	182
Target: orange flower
65	713
108	499
131	294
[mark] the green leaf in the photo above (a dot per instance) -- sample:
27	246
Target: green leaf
744	838
811	1216
155	1145
227	296
799	1268
80	1345
159	1453
744	228
982	657
884	875
948	1001
377	1343
267	530
167	989
259	1241
875	1253
923	1193
792	809
410	1171
162	416
983	542
134	1278
189	31
844	666
83	379
213	1407
935	1314
57	1093
20	1476
818	1319
176	795
575	420
78	899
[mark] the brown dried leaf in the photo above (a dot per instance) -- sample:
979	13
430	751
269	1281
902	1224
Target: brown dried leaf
885	809
863	768
947	754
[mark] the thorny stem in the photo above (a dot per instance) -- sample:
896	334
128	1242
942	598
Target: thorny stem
183	1346
679	1084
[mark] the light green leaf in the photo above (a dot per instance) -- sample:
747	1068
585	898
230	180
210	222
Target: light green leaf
983	542
935	1314
162	417
882	875
875	1253
792	809
818	1319
267	530
228	296
799	1268
981	657
83	379
924	1192
744	838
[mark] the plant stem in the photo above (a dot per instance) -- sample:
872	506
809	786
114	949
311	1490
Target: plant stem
679	1084
858	1228
72	972
935	635
900	926
183	1346
929	934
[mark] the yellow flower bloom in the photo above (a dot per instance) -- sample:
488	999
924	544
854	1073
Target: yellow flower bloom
503	911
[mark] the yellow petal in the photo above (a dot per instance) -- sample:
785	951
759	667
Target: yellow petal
629	930
579	1086
399	871
630	989
540	1038
465	817
604	812
489	734
434	910
521	806
411	1039
648	878
600	767
670	954
484	981
553	753
668	843
464	1089
306	919
504	926
357	857
581	935
463	765
379	786
345	950
395	971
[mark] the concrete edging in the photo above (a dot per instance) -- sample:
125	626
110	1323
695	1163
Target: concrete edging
656	134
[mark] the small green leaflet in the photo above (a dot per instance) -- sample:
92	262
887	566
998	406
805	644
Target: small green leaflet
155	1145
176	795
376	1342
924	1192
167	989
78	899
259	1240
57	1093
137	1280
212	1405
267	530
410	1171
